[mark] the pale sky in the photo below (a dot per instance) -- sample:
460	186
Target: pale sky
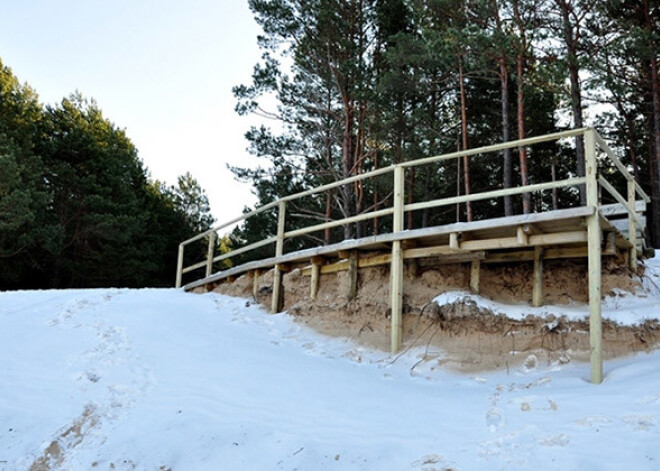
161	69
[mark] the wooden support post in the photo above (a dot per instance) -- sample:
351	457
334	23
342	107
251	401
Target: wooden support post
179	267
610	244
314	281
255	283
276	303
396	267
521	235
537	289
210	253
352	274
632	226
475	267
277	287
453	241
594	249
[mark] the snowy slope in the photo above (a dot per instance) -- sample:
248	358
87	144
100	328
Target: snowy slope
163	380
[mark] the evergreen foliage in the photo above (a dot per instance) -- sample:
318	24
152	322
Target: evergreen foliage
76	206
362	84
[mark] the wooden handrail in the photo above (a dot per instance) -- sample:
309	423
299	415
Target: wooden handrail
399	206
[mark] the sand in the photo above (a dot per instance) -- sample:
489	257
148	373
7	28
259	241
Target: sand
461	335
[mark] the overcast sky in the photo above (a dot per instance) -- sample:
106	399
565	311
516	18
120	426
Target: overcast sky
161	69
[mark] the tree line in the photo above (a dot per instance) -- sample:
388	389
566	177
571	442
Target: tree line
362	84
77	207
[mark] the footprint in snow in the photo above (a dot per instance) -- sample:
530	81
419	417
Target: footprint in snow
555	440
593	421
639	421
494	419
432	462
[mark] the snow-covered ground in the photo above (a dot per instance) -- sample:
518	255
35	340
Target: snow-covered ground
163	380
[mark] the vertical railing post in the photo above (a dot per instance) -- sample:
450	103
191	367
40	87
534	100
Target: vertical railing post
210	253
396	268
279	250
594	238
179	266
632	226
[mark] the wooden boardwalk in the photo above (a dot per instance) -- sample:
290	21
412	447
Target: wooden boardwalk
592	231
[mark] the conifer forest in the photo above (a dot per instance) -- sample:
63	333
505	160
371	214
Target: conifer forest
356	85
343	87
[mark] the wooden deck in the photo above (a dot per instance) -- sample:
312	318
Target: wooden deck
593	231
561	233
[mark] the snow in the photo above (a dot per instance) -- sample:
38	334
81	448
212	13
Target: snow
164	380
620	306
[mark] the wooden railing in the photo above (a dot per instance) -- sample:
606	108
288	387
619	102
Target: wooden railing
592	181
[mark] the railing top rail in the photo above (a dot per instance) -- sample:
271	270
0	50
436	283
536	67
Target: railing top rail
595	139
439	158
428	160
528	141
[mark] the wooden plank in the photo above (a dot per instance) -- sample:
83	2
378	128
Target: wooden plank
537	290
453	241
194	267
521	235
620	241
345	181
528	255
255	283
475	267
529	141
396	266
630	208
314	282
209	253
179	266
594	261
338	222
534	218
571	237
511	221
247	248
276	300
374	260
352	275
495	194
424	252
461	257
615	209
632	226
604	146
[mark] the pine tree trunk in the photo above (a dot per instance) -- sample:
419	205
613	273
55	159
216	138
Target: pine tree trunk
655	93
570	41
507	171
348	191
376	205
555	196
411	196
507	161
328	216
466	162
522	151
